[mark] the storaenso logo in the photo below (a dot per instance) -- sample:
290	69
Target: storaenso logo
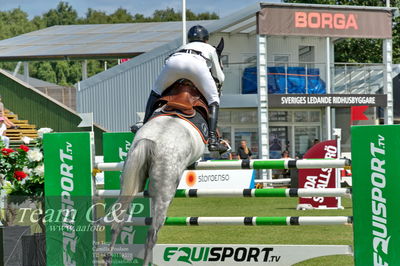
67	204
213	178
219	254
379	211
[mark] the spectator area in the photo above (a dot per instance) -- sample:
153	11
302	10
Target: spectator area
24	129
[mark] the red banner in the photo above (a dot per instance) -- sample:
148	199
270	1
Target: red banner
320	178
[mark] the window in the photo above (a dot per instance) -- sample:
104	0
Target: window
280	116
281	60
306	56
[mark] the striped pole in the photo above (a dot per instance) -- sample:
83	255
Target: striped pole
251	221
250	164
256	193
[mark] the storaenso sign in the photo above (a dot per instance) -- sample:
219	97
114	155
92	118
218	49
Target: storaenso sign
376	187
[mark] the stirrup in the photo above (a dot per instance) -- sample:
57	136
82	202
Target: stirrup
215	145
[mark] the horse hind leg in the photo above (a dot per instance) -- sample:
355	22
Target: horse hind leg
159	211
162	190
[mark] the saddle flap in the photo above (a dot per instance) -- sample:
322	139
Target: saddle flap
184	98
183	101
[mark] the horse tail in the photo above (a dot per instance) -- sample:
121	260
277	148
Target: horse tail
133	180
136	167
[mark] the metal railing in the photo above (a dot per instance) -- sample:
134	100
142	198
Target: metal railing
347	78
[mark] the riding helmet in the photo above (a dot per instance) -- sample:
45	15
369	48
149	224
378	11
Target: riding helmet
197	34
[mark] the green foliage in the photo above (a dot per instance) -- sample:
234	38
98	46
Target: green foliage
362	50
63	14
96	17
15	22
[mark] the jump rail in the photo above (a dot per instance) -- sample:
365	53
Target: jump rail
250	221
257	193
250	164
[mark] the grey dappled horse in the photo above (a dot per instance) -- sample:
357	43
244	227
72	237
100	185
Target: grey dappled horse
162	150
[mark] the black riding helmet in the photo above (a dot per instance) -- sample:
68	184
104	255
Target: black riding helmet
197	34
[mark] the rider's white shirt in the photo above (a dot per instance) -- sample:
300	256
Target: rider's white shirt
209	52
193	67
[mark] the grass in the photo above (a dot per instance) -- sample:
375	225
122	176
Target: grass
296	235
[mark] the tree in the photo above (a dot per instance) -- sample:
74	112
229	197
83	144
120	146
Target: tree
96	17
46	72
168	14
121	16
63	14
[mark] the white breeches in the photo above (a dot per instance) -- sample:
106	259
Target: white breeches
191	67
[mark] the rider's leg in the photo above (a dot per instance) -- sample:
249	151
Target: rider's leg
213	141
149	111
150	106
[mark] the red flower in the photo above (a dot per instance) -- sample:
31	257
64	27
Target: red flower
19	175
24	148
6	151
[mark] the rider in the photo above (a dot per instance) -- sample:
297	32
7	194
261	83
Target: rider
198	62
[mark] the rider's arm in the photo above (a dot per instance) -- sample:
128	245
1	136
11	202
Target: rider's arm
216	69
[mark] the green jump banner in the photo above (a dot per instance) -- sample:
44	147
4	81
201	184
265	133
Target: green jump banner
376	201
68	191
115	149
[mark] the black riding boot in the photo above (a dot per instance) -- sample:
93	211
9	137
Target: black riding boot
213	141
149	111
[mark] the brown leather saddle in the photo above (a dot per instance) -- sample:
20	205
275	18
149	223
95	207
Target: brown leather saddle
183	98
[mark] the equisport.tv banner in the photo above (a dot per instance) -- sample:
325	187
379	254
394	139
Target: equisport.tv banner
376	186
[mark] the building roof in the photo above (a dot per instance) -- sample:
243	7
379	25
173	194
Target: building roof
92	41
36	83
240	22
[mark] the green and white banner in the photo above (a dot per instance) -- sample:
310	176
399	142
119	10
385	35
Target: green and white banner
376	202
115	148
68	191
225	254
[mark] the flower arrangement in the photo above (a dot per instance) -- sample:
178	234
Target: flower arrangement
22	175
22	169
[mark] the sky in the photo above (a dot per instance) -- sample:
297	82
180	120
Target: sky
145	7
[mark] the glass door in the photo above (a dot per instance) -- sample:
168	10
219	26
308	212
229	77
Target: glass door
303	138
278	141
